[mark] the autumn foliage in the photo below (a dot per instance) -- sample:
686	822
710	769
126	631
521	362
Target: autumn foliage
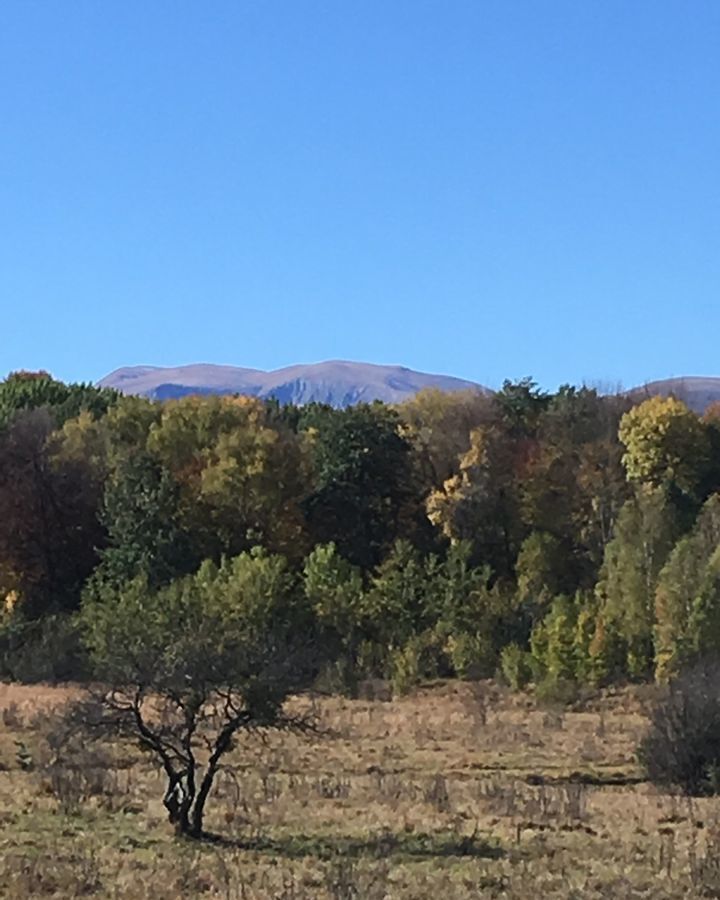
567	537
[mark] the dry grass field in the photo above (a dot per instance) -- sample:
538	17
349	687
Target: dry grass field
458	791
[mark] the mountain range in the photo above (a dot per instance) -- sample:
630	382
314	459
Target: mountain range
336	382
341	383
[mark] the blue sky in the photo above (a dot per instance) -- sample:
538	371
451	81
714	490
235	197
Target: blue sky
486	188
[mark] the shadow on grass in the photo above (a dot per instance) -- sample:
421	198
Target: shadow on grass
590	778
380	846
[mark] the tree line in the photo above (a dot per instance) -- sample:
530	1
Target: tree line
565	538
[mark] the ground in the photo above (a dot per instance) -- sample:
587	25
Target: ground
457	791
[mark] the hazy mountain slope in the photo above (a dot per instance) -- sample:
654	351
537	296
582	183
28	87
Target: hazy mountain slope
697	392
336	382
344	383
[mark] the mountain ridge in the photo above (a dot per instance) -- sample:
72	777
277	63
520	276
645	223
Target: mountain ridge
696	391
343	383
337	382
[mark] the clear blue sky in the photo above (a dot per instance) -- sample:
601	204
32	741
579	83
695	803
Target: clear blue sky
486	188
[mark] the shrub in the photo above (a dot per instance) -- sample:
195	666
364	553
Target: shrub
339	676
405	668
516	666
47	649
372	659
71	766
415	662
682	746
472	655
556	691
553	640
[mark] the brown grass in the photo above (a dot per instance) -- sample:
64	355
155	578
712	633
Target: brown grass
461	789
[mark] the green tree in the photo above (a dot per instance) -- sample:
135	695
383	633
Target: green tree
578	416
645	533
553	640
685	597
475	615
334	591
23	391
364	496
538	570
187	667
519	405
395	605
705	616
141	514
334	588
606	652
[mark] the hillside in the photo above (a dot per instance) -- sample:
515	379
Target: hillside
337	383
697	392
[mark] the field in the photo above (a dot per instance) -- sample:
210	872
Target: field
458	791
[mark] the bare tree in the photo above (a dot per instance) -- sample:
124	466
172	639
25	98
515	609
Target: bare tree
682	745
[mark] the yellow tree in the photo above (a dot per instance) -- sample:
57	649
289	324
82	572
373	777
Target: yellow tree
438	425
243	476
479	504
665	444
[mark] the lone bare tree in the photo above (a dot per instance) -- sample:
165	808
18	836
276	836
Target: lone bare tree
187	667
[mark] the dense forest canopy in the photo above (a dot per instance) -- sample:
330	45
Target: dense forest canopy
567	537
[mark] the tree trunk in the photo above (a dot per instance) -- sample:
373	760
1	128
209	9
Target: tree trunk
198	812
178	802
186	809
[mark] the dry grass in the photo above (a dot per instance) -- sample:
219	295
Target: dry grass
462	789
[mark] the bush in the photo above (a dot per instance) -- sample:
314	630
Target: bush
682	746
417	661
405	664
72	766
338	677
516	666
47	649
555	691
472	655
372	659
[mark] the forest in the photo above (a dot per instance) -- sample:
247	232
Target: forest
563	539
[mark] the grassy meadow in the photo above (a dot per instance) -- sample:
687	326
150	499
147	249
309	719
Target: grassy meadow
460	790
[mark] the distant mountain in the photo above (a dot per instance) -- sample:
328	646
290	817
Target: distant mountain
342	383
697	392
337	383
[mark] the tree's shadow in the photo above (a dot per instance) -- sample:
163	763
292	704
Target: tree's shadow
380	846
